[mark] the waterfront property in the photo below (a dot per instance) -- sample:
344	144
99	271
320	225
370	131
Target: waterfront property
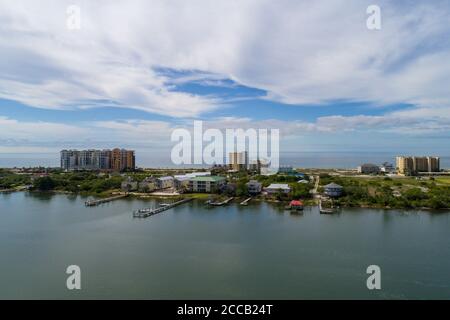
296	205
129	185
333	190
164	182
254	187
116	159
206	184
147	185
181	182
277	187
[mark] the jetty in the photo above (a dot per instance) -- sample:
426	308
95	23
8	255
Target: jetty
93	203
147	212
221	203
245	202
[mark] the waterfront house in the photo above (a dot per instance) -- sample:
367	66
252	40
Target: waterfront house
333	190
206	183
277	187
182	181
296	205
147	185
129	185
254	187
164	182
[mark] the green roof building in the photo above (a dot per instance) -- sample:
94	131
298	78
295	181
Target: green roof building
206	184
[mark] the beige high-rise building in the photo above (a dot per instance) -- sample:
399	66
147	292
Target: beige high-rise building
414	165
238	160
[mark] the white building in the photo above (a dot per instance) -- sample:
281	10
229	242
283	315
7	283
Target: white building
164	182
277	187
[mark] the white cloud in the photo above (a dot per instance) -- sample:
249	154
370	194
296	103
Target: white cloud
299	51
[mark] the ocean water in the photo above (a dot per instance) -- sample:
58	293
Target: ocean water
344	160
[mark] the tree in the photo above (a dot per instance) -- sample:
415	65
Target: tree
44	184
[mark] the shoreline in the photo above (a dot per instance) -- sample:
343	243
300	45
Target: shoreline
237	200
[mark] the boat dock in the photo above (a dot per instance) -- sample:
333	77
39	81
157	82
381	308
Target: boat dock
147	212
93	203
325	210
245	202
224	202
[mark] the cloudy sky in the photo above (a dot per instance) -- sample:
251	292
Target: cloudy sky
135	70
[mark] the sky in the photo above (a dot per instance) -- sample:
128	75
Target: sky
136	70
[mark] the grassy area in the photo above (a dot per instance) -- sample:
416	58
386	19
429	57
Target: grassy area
385	192
443	180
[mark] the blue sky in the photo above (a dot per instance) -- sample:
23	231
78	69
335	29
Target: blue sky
133	73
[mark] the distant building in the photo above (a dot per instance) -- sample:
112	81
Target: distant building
387	167
206	184
254	166
264	168
117	159
238	161
254	187
164	182
368	168
289	170
414	165
333	190
277	187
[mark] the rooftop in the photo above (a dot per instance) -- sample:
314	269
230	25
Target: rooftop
208	178
333	185
165	178
278	186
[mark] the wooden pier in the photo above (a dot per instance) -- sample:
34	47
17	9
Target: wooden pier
325	210
224	202
93	203
245	202
147	212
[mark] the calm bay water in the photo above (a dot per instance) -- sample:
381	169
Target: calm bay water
190	251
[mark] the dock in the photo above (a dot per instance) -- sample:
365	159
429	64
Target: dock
325	210
224	202
147	212
93	203
245	202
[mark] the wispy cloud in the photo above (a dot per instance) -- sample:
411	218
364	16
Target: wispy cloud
298	51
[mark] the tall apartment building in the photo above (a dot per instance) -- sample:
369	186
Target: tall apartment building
116	160
238	160
414	165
